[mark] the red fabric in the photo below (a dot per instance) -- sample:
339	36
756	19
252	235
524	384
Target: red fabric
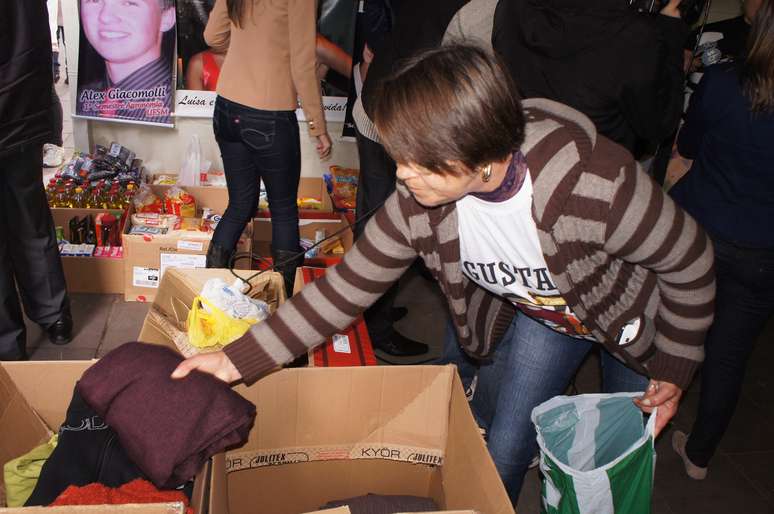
362	352
210	71
136	491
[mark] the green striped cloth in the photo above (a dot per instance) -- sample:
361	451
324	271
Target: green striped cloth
596	454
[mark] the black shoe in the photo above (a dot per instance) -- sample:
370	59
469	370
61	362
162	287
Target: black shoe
61	332
218	257
399	345
398	313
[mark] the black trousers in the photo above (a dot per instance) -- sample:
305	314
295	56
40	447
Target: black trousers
743	304
376	183
29	255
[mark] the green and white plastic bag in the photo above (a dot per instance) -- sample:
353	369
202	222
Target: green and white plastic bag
596	454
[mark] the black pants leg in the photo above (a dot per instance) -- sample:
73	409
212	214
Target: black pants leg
29	255
376	183
744	302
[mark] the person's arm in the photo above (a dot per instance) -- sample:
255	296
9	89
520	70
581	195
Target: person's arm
652	100
193	74
645	227
303	37
332	56
217	33
327	305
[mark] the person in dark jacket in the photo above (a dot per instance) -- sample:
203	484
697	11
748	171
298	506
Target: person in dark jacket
729	188
620	68
29	256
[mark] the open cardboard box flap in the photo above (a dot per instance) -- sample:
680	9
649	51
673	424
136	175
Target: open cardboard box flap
166	321
129	508
345	510
301	412
328	433
34	397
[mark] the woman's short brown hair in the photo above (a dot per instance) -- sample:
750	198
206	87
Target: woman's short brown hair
449	106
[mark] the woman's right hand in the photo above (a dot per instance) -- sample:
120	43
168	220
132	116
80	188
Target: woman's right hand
215	363
324	146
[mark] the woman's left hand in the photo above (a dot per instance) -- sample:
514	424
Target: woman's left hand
665	396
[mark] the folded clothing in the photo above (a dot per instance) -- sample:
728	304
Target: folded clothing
21	474
136	491
87	451
384	504
169	428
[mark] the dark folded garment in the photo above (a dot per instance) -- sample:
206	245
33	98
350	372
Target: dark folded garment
169	428
384	504
88	451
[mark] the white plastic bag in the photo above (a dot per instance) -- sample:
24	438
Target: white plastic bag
189	173
231	300
596	454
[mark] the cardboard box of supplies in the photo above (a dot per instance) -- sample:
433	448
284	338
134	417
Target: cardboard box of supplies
34	397
147	257
166	321
324	434
104	275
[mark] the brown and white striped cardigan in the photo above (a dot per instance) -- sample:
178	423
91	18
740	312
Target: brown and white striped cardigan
617	247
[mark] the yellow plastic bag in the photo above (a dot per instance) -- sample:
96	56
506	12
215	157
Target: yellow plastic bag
206	329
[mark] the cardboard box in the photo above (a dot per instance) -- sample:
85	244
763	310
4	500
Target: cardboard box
330	223
34	397
166	320
351	347
147	258
329	433
89	274
213	197
216	197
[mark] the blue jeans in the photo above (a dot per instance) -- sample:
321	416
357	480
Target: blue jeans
531	364
744	302
255	145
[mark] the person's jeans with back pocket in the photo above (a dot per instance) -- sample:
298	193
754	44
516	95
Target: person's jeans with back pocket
255	145
531	364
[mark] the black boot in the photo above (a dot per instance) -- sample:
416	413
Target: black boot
218	257
61	331
285	263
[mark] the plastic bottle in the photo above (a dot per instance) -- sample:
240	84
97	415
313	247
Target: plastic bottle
126	198
78	199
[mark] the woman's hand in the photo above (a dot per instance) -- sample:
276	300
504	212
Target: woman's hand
665	396
324	146
216	363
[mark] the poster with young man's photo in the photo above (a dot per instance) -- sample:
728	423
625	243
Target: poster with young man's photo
126	60
198	65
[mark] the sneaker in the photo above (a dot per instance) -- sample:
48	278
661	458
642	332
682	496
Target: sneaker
679	439
53	156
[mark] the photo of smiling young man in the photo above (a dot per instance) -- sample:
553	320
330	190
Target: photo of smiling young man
125	60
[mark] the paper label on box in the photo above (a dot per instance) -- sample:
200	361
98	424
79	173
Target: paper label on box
341	344
145	277
190	245
181	260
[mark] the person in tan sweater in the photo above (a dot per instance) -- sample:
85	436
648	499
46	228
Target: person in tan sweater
269	64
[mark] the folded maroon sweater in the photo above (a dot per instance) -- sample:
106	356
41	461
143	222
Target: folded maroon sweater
169	428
